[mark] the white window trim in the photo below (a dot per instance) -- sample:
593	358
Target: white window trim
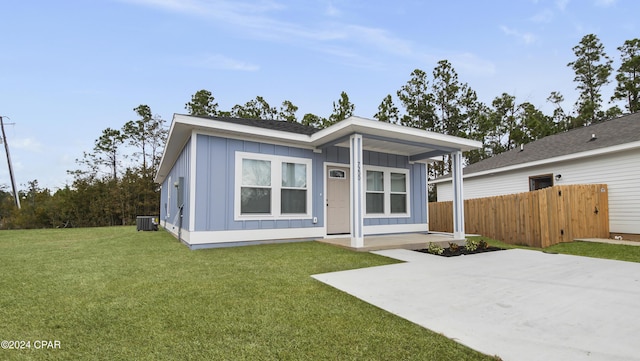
276	186
386	171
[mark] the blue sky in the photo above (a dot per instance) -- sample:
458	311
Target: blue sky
71	68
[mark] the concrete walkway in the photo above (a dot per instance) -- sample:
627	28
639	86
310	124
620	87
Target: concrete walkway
609	241
516	304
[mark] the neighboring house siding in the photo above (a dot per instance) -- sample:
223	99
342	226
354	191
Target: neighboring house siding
620	171
444	191
489	186
169	212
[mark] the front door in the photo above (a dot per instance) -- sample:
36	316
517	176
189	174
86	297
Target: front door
338	200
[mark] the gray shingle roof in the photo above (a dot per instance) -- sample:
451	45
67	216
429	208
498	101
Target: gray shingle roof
625	129
269	124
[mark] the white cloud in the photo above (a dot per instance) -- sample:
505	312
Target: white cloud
605	3
545	16
189	6
65	159
348	56
261	21
332	11
562	4
202	7
471	64
247	16
379	38
221	62
29	144
527	38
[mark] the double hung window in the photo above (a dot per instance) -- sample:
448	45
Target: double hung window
398	195
386	192
255	193
375	192
293	196
271	187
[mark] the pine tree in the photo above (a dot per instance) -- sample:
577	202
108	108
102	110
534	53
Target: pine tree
628	76
592	68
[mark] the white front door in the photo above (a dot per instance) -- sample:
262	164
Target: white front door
338	209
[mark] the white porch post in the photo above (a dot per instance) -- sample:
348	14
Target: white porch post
357	191
458	198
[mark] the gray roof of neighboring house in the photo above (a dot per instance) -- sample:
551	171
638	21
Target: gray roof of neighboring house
280	125
625	129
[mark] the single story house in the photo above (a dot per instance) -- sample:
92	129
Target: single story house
606	152
228	181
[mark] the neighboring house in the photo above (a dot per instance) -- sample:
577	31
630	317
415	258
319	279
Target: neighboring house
607	152
227	181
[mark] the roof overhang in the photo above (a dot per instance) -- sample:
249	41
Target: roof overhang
183	126
419	145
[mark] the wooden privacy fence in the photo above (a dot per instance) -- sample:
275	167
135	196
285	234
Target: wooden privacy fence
538	219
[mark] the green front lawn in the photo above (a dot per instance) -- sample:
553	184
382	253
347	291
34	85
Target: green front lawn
117	294
587	249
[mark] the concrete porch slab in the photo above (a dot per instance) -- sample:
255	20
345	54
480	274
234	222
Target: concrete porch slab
395	241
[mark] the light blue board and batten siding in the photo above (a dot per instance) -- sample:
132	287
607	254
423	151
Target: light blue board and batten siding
417	187
215	184
418	182
215	172
180	169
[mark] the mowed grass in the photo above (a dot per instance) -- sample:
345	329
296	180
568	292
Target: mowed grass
117	294
587	249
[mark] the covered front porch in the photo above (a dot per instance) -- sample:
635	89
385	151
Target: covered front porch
410	241
418	146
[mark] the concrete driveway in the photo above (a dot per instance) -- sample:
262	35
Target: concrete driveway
516	304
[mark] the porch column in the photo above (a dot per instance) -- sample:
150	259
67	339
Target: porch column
458	198
357	191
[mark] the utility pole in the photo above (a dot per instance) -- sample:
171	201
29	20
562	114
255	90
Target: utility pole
13	180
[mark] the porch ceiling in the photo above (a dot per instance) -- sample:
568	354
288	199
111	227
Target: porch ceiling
416	152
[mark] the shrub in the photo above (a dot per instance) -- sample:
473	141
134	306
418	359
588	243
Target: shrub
435	249
454	247
471	244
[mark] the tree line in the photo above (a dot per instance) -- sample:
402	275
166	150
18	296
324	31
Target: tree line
442	103
112	185
114	181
